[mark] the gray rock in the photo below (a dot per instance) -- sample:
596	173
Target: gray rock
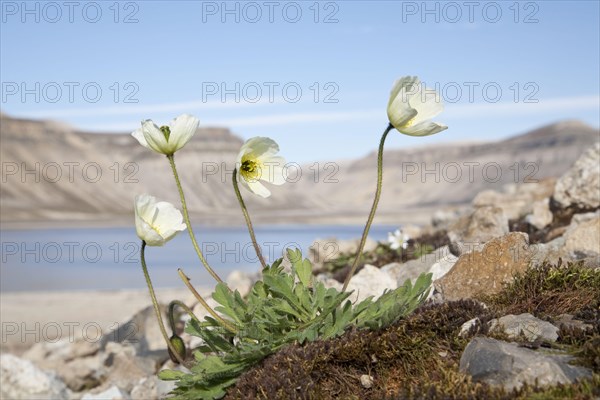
473	231
507	365
516	200
125	368
583	240
530	327
567	321
445	217
151	388
370	281
550	252
112	393
580	186
329	282
443	266
82	373
21	379
240	281
541	215
141	331
413	268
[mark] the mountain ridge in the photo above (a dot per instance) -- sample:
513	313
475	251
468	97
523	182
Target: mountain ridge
54	172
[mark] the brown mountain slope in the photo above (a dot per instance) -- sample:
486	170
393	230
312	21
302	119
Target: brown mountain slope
51	172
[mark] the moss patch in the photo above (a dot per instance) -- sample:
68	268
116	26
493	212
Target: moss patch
418	357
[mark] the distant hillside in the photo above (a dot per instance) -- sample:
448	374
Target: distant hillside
52	172
452	174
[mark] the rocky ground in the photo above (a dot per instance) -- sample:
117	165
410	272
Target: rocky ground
514	313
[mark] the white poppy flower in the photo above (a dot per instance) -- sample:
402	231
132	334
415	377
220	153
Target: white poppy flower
156	222
257	161
411	107
167	139
398	240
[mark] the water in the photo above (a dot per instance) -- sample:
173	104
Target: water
108	258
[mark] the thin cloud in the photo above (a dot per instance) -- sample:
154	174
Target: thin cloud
483	109
146	109
453	111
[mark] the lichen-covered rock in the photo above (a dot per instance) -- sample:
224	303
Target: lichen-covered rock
580	186
485	271
525	325
507	365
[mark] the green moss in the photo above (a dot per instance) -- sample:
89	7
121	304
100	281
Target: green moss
418	357
549	290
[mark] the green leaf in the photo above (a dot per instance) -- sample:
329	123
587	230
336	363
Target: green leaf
170	375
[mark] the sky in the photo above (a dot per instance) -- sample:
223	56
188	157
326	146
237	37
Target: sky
314	76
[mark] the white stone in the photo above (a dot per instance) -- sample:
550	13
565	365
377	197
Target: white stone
370	281
20	379
580	186
366	381
112	393
541	216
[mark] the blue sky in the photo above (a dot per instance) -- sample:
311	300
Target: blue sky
314	76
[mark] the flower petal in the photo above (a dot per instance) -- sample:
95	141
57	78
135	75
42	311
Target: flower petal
259	147
406	83
428	105
399	113
272	170
156	222
182	129
155	138
424	129
139	135
258	188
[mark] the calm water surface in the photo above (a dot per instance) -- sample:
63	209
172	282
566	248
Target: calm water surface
108	258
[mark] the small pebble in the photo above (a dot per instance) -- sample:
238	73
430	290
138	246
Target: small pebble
366	381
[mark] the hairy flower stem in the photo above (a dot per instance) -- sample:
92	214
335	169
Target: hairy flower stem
171	312
200	299
363	240
247	217
161	324
186	217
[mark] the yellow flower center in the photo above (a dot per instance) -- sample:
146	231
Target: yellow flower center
250	169
410	122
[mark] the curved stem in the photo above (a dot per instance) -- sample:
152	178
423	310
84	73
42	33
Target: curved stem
247	217
171	312
161	324
363	240
208	308
186	217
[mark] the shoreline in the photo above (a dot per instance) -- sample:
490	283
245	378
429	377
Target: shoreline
28	318
413	215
